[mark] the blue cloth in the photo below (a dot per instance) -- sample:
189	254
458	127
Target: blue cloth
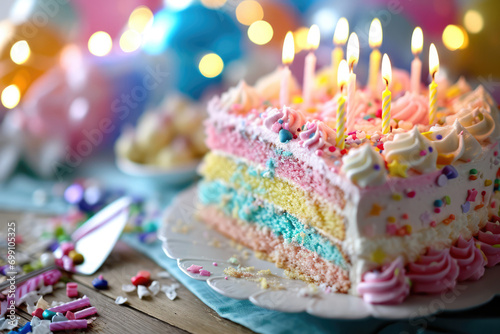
17	194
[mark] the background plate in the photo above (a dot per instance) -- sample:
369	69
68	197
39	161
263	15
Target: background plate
191	242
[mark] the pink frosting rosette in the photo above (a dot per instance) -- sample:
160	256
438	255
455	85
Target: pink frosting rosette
434	272
316	135
411	108
287	118
469	259
389	286
489	241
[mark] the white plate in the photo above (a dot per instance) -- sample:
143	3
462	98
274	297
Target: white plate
191	242
174	176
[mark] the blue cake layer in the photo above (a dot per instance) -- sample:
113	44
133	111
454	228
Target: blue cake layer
243	205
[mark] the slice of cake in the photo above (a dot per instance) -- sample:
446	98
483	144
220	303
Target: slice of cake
367	219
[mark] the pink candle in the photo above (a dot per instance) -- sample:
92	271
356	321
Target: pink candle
417	42
70	324
313	38
85	313
288	55
352	60
79	303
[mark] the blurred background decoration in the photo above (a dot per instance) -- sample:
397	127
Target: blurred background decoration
73	74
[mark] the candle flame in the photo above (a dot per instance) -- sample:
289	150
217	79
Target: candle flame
341	31
342	73
386	69
417	41
375	34
313	37
433	60
353	50
288	49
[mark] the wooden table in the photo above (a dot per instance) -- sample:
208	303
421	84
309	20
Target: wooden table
186	314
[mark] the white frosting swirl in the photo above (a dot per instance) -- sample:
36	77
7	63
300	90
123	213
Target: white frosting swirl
478	122
291	119
316	135
480	98
453	142
269	86
364	166
240	99
413	149
411	108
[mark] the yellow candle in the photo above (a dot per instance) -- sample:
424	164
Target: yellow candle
287	56
417	41
342	75
386	94
339	40
375	40
433	68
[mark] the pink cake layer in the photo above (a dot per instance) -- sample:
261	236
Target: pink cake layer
299	261
232	142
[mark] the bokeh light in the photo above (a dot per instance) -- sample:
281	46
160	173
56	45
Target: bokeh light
100	43
20	52
300	38
260	32
11	96
213	3
248	12
211	65
140	19
455	37
473	21
177	4
130	41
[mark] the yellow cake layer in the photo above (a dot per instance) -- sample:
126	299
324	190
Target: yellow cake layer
307	207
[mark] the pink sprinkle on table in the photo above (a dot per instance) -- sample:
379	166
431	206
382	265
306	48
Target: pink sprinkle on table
79	303
85	313
214	264
204	272
225	277
69	315
70	324
194	269
72	290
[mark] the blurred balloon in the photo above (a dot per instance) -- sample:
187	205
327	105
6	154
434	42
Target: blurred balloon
60	16
25	54
107	16
71	103
189	34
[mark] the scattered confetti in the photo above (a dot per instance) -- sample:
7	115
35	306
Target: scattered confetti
143	291
120	300
128	287
154	288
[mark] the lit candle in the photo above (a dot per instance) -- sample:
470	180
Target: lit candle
433	68
352	60
313	38
342	76
288	55
375	40
339	40
386	94
417	42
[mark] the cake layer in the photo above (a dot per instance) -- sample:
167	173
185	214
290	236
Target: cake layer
248	208
285	160
309	207
298	261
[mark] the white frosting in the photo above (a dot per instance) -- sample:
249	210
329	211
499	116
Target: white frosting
240	99
408	148
316	135
291	119
269	86
364	166
455	141
480	98
479	122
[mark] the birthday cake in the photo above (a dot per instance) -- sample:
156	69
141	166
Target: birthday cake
375	214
